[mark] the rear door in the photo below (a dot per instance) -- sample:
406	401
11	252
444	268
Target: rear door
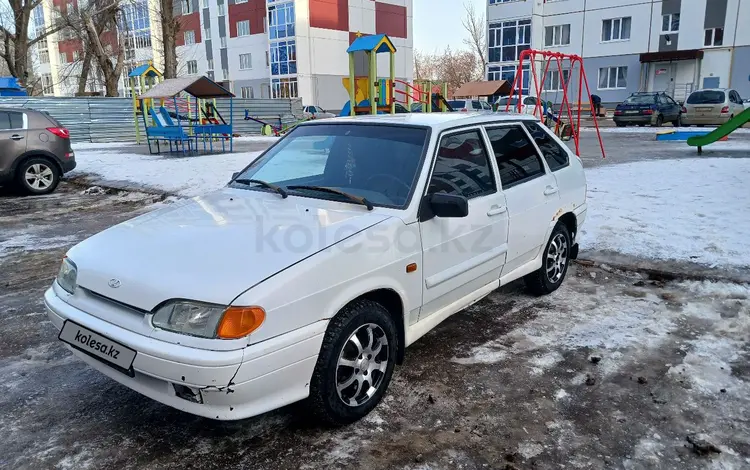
737	104
13	136
531	193
674	108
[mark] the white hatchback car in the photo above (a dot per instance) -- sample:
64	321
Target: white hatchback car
319	263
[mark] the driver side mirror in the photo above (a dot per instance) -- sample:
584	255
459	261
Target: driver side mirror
448	205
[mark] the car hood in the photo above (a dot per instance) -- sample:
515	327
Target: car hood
211	248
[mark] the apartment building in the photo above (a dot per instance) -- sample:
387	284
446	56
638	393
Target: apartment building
256	48
627	45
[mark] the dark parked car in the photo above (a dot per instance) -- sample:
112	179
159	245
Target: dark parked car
34	150
648	108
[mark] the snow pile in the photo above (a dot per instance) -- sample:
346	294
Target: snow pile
175	174
686	210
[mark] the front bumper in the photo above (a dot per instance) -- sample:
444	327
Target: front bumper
229	384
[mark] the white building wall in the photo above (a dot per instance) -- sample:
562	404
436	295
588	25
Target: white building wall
511	10
742	32
593	46
716	63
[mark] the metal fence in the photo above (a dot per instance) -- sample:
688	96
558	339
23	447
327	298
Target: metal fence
100	119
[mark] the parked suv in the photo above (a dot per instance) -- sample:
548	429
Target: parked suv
322	261
713	106
469	105
648	108
34	150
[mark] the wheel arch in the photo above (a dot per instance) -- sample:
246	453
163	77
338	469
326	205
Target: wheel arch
394	304
37	153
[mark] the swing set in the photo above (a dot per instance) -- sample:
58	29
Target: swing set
571	63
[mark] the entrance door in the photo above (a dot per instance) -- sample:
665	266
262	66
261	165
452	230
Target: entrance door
662	76
711	82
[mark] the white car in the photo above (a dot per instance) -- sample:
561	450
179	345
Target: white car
312	271
316	112
528	105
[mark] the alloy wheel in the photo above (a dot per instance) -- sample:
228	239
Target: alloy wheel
362	364
557	258
39	176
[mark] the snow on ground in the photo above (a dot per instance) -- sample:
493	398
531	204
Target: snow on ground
686	210
185	176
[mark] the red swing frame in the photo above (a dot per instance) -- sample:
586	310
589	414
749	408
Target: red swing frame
533	55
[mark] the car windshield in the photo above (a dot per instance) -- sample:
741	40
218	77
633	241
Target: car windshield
377	162
457	104
640	99
706	97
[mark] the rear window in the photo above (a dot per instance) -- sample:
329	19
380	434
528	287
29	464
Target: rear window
707	97
457	104
504	101
640	99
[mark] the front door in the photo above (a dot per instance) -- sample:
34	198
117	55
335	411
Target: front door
532	193
461	255
662	76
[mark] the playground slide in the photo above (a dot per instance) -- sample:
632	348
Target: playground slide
721	131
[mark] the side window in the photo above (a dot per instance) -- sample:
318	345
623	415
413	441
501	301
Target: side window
16	120
486	105
529	100
662	99
462	167
476	105
5	121
555	155
516	156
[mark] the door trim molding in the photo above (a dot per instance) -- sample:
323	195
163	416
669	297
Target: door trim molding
469	264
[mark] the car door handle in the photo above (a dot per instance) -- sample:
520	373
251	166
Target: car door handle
496	210
16	137
550	190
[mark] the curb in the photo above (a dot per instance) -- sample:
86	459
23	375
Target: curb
86	181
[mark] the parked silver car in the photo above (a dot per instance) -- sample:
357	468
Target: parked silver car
316	112
711	106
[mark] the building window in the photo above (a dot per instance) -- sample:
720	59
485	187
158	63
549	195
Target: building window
714	37
207	33
616	29
187	6
670	23
553	82
210	64
192	67
63	58
240	1
221	9
508	39
497	2
246	92
76	56
284	58
284	87
508	73
246	61
612	78
44	57
268	63
223	42
47	87
557	35
189	37
281	20
226	74
243	28
205	3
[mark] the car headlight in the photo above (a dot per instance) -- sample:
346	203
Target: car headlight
208	320
67	275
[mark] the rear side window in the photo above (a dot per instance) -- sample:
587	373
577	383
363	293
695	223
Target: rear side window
462	167
476	105
706	97
516	156
11	120
457	104
555	155
486	105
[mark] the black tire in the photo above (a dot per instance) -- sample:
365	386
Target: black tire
46	183
539	282
659	121
620	124
324	401
641	125
701	125
677	122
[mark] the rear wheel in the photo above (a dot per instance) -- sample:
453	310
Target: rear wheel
677	122
659	121
620	124
555	260
355	363
38	175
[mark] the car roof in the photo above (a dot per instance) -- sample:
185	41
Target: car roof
437	121
713	89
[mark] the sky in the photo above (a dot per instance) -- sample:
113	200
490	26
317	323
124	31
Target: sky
437	23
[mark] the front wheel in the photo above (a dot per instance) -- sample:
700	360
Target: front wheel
555	260
355	363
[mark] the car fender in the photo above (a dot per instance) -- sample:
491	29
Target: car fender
320	286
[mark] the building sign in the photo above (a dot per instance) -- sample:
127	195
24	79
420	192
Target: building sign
661	71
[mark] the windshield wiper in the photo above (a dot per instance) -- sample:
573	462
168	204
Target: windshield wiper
265	184
351	197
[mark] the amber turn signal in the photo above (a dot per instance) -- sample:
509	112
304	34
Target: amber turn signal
410	268
238	322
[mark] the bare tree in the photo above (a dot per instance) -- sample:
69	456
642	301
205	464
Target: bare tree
170	27
475	25
426	66
14	33
457	68
97	25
